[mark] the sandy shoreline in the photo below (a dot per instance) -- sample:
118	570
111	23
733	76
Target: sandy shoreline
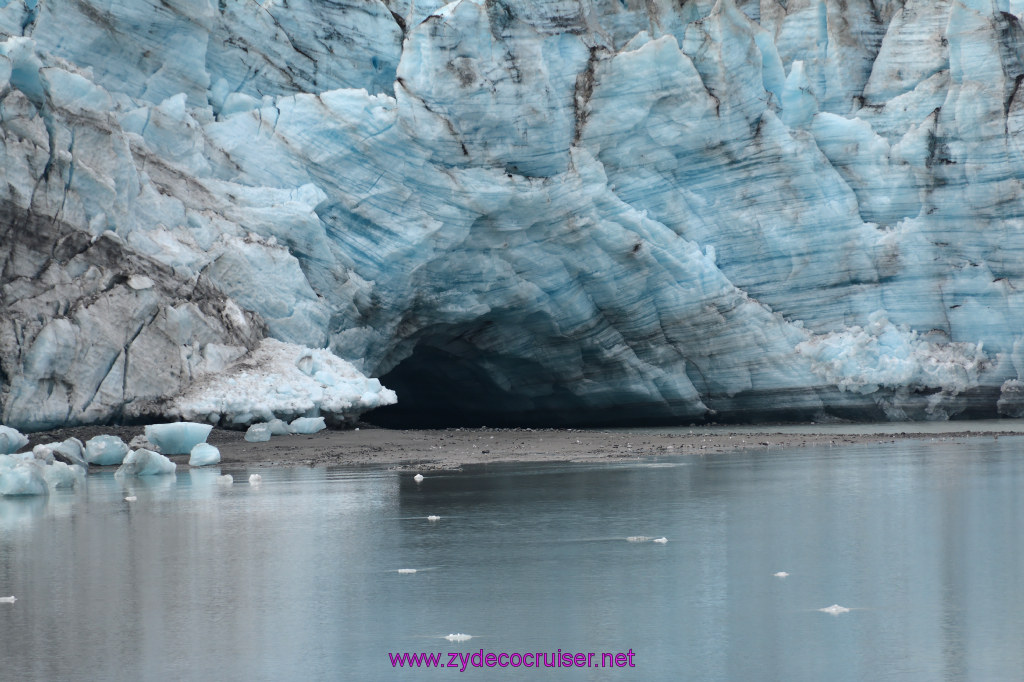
451	448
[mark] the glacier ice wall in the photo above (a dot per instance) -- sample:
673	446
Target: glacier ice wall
563	210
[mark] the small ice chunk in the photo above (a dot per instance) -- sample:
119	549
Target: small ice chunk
21	477
433	517
639	538
459	637
781	574
661	541
11	440
143	462
258	433
407	570
835	609
131	498
203	454
177	438
278	427
418	478
8	600
255	479
105	450
307	425
226	479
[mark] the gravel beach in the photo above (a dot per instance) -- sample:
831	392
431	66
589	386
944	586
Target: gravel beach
451	448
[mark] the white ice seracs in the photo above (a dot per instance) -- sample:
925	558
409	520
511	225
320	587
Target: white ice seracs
283	381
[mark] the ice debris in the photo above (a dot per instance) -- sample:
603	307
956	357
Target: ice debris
177	438
418	478
255	479
407	570
203	454
283	380
143	462
8	600
105	450
781	574
226	479
459	637
433	517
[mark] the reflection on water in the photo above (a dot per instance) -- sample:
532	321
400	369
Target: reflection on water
319	573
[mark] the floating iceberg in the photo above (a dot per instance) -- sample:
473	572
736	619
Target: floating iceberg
11	440
178	438
105	450
459	637
203	454
61	475
144	462
835	609
255	480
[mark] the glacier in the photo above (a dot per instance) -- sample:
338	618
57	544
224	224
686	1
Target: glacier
511	211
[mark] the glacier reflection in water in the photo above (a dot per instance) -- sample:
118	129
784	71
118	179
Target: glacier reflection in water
305	576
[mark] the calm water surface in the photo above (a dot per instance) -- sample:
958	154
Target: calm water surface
298	579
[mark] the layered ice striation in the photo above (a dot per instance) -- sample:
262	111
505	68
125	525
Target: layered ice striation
569	210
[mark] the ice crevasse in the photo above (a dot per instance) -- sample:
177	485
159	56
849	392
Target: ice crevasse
561	210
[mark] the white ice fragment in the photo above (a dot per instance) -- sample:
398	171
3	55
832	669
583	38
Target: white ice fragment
835	609
105	450
131	498
11	440
661	541
8	600
143	462
407	570
306	425
459	637
203	454
255	479
639	538
433	517
226	479
258	433
781	574
177	438
418	478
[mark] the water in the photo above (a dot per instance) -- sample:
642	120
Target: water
298	579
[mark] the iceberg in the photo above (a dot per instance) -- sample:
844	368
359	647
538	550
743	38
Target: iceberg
203	454
510	211
144	462
178	438
105	450
11	440
21	477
